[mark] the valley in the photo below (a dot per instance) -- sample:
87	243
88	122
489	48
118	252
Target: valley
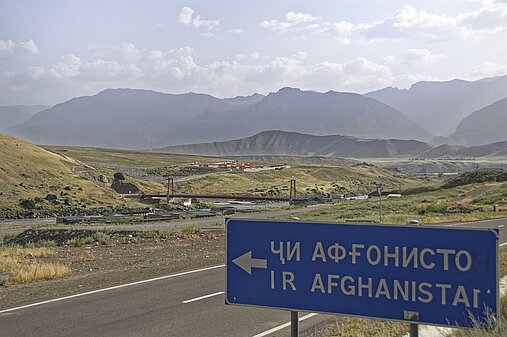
253	169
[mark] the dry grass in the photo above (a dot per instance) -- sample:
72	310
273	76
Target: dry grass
358	327
40	271
24	265
492	329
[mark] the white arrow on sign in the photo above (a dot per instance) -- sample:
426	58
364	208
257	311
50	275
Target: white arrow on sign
246	262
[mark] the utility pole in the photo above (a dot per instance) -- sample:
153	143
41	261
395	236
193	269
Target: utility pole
170	187
380	187
292	192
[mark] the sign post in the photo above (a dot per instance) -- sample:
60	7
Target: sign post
294	324
443	276
414	330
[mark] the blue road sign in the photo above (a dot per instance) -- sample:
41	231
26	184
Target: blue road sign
440	276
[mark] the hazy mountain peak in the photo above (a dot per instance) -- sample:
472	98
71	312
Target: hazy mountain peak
287	91
137	118
11	115
483	126
439	106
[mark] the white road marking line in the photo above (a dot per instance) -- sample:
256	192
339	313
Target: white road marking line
501	226
280	327
502	244
112	288
455	224
203	297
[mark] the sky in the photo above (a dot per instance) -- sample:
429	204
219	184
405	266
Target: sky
54	50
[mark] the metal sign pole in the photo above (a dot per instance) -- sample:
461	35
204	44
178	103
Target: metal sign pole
414	330
294	324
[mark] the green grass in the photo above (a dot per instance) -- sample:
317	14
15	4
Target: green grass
311	180
128	158
101	238
430	207
160	234
496	196
492	328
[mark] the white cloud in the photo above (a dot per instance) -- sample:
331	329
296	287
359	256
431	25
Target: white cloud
67	67
414	56
105	70
187	17
29	46
235	31
422	56
176	70
11	48
361	65
293	21
6	47
36	72
409	22
177	63
487	19
186	14
406	23
489	69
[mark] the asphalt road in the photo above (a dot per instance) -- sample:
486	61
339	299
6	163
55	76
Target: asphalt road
154	308
185	304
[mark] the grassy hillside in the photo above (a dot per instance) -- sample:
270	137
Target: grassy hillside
311	180
462	203
29	172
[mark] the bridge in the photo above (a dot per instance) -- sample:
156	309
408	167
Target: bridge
170	194
219	196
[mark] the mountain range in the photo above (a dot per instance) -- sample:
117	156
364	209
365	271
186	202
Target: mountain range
128	118
458	112
297	144
440	106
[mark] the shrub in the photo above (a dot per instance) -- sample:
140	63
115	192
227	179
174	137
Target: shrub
479	176
4	279
151	234
167	234
102	238
189	231
433	208
79	241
